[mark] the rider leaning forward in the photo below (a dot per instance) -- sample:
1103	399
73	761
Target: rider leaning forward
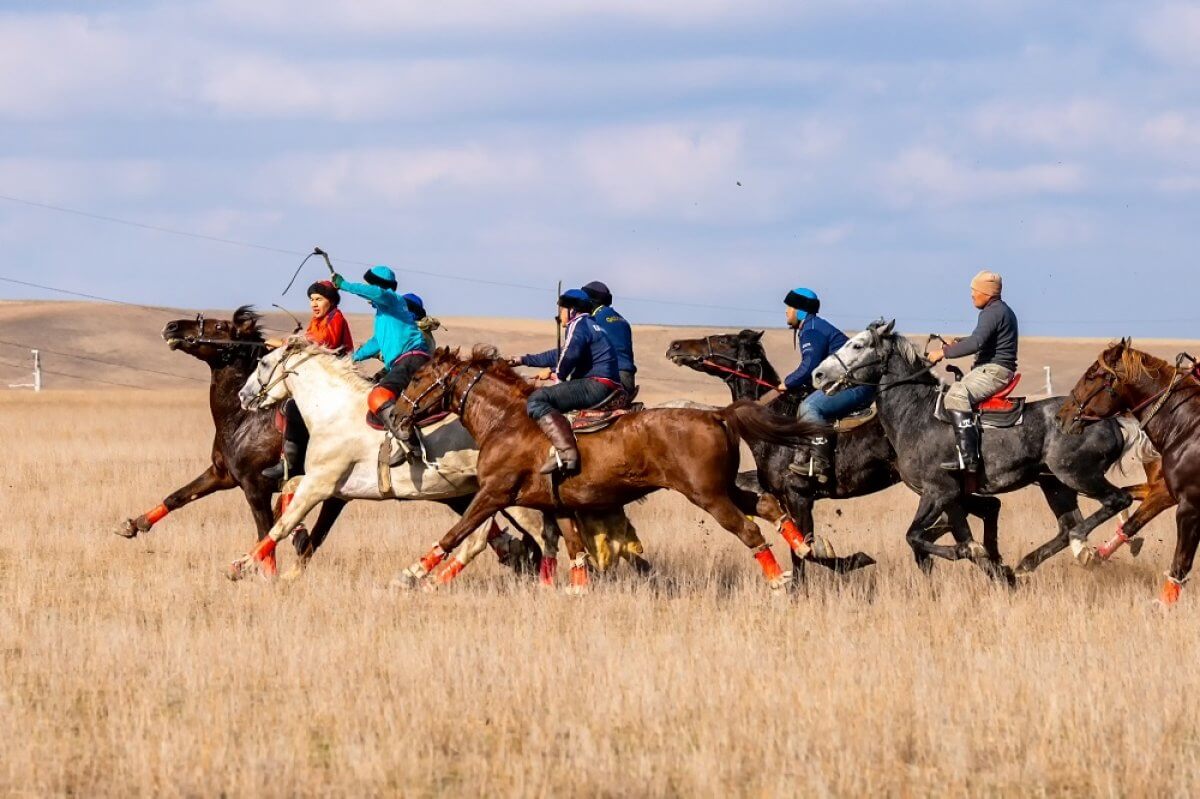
994	345
396	340
328	327
817	340
587	373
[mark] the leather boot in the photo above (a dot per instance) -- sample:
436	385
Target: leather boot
558	430
815	460
407	437
291	464
967	436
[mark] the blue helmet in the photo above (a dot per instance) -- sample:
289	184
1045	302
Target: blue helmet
576	300
416	306
381	276
805	301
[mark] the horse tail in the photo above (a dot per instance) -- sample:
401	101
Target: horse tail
751	422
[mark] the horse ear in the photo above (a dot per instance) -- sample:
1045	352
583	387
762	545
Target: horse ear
750	335
887	329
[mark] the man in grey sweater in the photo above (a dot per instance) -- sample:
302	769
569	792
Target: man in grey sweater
994	345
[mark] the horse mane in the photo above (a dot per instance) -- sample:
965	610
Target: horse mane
341	365
246	324
910	354
1132	364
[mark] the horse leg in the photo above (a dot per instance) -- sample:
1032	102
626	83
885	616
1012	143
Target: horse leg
724	508
577	552
991	565
212	479
310	492
987	510
482	507
1064	503
1112	501
922	532
474	544
1187	527
551	534
1154	497
307	543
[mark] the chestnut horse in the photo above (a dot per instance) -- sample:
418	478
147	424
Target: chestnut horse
1165	400
694	452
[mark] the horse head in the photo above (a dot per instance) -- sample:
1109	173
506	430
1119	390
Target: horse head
268	385
710	353
1108	386
862	359
217	342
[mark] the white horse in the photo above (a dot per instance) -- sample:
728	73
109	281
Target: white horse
343	456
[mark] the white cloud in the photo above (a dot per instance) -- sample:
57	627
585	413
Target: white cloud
1069	124
63	180
1172	32
926	176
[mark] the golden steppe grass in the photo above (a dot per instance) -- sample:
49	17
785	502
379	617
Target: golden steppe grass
134	667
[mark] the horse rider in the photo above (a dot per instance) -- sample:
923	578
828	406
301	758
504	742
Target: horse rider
817	339
425	323
586	371
328	327
994	345
619	333
396	340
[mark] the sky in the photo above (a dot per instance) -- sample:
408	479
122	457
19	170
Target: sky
702	157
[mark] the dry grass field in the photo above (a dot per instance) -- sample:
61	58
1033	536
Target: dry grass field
135	668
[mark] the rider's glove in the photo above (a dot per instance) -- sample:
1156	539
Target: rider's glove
338	280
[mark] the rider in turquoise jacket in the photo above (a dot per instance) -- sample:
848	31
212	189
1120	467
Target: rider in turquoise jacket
396	340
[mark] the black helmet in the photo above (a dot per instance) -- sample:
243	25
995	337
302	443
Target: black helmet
598	292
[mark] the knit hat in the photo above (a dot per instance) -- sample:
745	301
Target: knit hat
326	289
988	283
805	301
381	276
598	292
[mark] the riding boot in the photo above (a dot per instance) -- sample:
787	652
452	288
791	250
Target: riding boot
967	437
407	436
291	464
558	430
815	460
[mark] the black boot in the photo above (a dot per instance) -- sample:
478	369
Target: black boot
814	460
291	464
562	437
967	436
407	436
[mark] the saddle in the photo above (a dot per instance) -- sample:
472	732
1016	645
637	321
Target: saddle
998	410
603	414
856	419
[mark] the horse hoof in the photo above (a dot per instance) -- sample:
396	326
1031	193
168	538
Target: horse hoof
241	568
821	548
292	574
1135	546
975	551
405	581
780	583
1088	558
576	590
127	529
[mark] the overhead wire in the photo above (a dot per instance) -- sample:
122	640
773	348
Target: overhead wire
92	359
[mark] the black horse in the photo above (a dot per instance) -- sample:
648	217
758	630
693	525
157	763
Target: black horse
1013	457
865	462
246	442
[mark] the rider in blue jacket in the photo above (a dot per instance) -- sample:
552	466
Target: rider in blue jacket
587	374
396	340
817	340
618	330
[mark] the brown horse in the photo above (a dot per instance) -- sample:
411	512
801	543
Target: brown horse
694	452
1165	400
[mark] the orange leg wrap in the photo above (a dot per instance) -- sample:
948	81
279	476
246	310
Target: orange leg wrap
548	570
432	558
452	569
791	533
264	553
156	514
1106	549
770	566
1170	592
579	576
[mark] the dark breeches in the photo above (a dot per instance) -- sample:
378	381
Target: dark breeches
401	372
572	395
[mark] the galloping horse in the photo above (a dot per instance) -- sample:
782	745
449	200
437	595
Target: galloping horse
693	452
343	458
1165	400
865	462
1013	457
246	442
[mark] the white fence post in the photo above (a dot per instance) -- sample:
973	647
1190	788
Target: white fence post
36	385
1049	384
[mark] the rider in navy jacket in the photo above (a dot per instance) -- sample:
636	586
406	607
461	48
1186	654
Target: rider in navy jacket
587	373
618	331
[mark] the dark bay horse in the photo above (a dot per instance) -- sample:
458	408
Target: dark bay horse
694	452
865	462
245	442
1165	400
1012	457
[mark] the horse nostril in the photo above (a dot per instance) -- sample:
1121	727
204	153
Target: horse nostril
172	327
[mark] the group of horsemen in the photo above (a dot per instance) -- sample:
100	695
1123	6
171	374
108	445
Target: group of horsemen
595	365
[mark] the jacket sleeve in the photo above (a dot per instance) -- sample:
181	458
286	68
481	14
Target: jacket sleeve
985	327
369	349
812	352
573	349
549	358
364	290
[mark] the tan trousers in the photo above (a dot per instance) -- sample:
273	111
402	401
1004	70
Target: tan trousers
976	386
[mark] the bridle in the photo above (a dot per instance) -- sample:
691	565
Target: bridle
740	363
229	347
279	372
885	361
1154	402
444	385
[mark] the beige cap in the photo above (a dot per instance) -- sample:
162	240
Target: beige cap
988	283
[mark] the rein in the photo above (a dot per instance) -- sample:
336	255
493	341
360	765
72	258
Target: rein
711	362
882	385
1154	402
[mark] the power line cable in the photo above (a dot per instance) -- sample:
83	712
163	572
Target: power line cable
120	364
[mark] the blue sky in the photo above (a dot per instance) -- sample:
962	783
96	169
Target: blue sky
886	152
